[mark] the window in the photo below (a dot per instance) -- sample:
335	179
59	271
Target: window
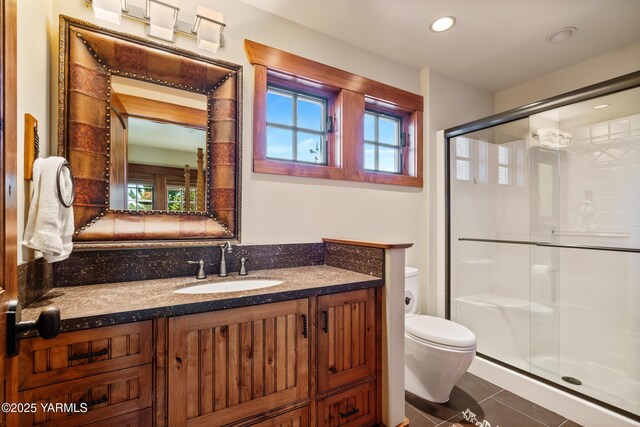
504	165
463	159
296	127
175	199
382	143
140	197
309	121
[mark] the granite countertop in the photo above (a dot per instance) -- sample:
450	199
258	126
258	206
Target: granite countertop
91	306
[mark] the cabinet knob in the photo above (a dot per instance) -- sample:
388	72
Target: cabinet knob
305	331
325	327
347	414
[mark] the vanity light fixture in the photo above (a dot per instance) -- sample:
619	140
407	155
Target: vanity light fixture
161	17
109	10
208	26
599	106
442	24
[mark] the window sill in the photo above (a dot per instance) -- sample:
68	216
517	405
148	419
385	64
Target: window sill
329	172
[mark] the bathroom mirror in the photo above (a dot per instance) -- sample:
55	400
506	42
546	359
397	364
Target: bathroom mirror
152	135
158	145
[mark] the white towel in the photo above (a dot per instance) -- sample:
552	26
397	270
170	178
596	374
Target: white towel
50	225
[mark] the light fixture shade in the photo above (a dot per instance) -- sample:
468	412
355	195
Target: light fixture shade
109	10
162	18
209	25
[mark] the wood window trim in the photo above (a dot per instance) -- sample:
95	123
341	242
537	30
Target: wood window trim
151	109
348	95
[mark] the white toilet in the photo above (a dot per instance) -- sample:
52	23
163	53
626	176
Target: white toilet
437	352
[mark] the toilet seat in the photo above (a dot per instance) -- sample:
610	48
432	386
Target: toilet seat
440	332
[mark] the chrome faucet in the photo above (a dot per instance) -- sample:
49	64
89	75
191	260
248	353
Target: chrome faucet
200	274
225	247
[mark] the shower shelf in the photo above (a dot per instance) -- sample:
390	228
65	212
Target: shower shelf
552	245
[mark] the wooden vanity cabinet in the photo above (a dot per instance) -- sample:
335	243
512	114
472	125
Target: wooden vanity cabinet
274	365
346	338
107	369
298	363
349	351
230	365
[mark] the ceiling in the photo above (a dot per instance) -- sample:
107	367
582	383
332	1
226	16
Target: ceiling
494	45
165	136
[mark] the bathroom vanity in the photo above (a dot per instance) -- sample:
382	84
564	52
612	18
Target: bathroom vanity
307	352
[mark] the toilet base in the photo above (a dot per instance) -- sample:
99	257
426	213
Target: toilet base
413	385
431	372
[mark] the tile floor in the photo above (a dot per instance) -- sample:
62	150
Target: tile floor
476	402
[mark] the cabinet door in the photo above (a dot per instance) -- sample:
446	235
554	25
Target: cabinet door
229	365
346	338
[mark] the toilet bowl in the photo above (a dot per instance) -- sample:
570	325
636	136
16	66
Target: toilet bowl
437	351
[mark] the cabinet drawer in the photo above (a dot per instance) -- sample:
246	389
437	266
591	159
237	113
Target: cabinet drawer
79	354
295	418
353	407
107	395
346	338
134	419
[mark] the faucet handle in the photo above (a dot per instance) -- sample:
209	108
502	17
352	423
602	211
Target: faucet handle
243	267
201	274
226	246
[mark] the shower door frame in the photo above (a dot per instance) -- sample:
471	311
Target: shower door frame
607	87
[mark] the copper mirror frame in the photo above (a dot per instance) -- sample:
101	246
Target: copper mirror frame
88	56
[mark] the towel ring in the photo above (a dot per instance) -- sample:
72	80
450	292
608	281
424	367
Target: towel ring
73	185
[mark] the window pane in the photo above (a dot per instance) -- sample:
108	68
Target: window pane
279	108
503	155
310	114
462	170
462	147
503	175
310	148
279	143
369	127
388	159
369	156
388	130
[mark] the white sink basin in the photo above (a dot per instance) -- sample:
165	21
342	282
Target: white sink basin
229	286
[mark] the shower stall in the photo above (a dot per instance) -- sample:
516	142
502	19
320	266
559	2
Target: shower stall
543	240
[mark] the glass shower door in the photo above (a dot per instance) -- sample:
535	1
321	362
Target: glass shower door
544	245
596	262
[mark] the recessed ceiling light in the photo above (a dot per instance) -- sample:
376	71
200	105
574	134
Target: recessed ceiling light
561	35
443	24
599	106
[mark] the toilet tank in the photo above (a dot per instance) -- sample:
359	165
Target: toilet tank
411	290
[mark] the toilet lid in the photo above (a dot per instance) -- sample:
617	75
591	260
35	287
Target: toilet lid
440	331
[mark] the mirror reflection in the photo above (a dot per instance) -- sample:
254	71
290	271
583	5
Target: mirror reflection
158	148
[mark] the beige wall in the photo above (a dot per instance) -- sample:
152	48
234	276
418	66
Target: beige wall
604	67
275	209
448	103
34	23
